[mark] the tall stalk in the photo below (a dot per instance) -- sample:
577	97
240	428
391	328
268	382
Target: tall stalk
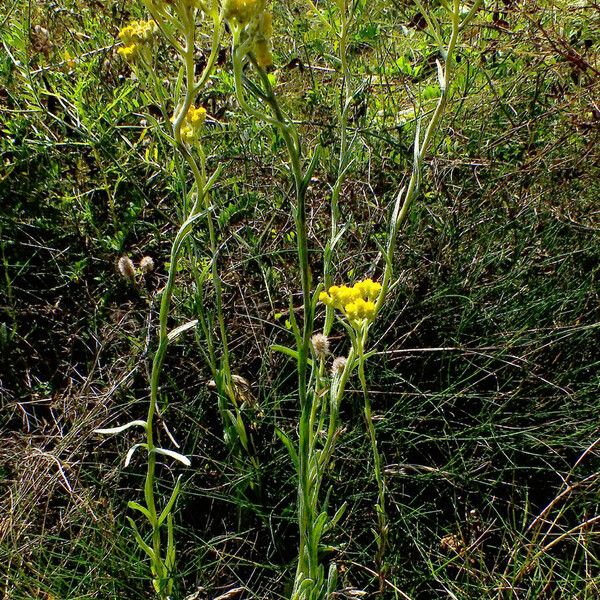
308	563
319	406
347	12
177	23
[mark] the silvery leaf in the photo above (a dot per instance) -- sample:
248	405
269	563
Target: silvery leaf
180	457
175	333
122	428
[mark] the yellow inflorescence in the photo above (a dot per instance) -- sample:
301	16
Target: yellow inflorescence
262	40
192	124
243	10
257	22
356	302
134	36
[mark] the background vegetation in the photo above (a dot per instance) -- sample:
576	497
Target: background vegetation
485	386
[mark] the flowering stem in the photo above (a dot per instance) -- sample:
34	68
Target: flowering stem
361	339
308	564
161	565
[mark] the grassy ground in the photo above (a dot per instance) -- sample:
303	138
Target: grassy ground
485	383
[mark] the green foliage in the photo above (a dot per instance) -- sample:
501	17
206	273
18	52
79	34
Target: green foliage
484	386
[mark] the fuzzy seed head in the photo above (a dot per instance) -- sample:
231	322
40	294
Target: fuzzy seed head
320	343
147	264
338	366
126	268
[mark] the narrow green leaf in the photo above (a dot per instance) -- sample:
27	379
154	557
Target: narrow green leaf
336	518
288	444
170	557
141	543
290	352
169	506
135	506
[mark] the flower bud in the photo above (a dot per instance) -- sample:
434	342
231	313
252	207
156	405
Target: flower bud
243	10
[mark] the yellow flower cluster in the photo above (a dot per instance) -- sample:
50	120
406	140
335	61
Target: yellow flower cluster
192	124
356	302
254	16
134	36
243	11
262	40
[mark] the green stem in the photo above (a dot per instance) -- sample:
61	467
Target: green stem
308	558
406	197
162	581
380	506
345	102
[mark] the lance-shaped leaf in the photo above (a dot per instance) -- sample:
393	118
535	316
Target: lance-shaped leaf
137	506
289	352
169	506
141	543
180	457
288	444
338	515
170	557
175	333
122	428
131	451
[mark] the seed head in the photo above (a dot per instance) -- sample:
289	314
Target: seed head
338	366
126	268
320	343
146	264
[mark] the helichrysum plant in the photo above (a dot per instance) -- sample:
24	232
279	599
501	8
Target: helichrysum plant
322	377
177	23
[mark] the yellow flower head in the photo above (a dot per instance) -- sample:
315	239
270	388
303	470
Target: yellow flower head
196	116
192	124
134	36
128	53
357	303
243	10
369	288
